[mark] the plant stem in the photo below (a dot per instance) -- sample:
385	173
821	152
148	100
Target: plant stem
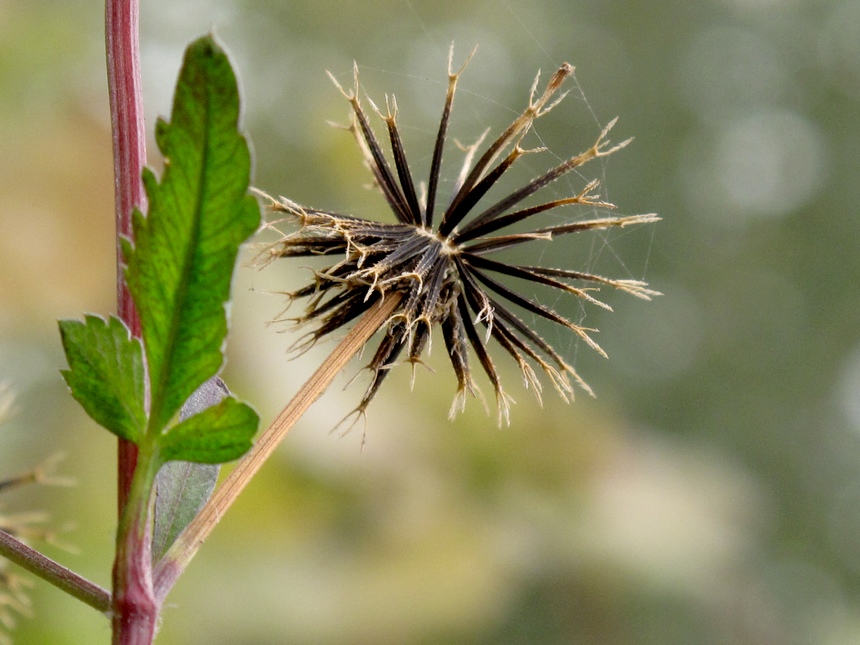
135	608
55	573
129	154
186	545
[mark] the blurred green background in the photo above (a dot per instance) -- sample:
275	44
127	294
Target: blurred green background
710	494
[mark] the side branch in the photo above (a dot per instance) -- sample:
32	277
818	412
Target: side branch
55	573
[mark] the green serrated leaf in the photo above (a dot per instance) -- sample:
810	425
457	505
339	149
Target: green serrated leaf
180	269
218	434
106	373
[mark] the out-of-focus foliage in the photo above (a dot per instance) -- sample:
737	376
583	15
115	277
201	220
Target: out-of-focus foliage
708	495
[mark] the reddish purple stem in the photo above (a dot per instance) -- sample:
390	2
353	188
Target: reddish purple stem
129	153
134	608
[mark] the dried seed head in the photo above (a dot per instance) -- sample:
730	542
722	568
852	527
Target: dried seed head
439	263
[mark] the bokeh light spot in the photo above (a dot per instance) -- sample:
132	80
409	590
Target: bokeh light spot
770	163
728	71
849	388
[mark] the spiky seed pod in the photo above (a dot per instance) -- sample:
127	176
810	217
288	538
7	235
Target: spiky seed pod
439	263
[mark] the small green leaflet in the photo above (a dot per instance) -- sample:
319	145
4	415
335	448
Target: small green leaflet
181	264
218	434
106	373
